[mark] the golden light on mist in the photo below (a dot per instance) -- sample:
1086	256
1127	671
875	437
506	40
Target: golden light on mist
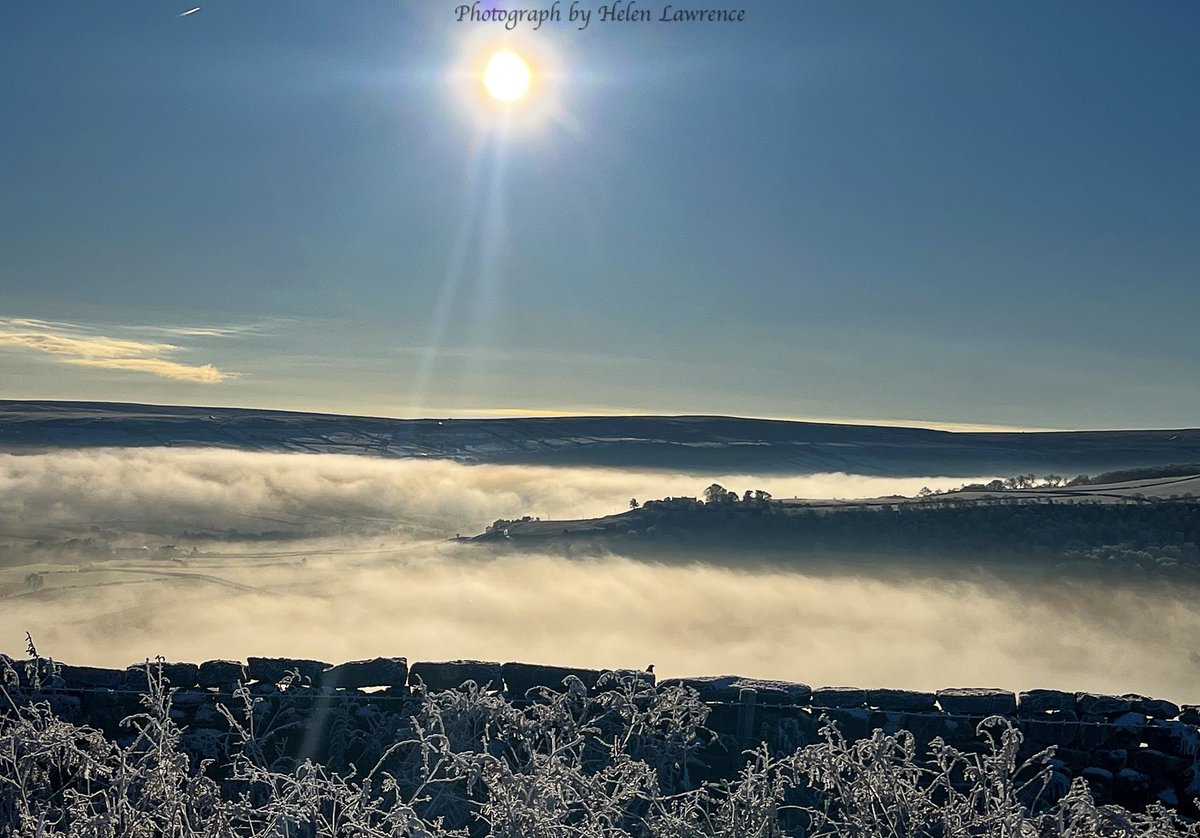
507	76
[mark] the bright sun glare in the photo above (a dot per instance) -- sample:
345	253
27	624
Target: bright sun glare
507	76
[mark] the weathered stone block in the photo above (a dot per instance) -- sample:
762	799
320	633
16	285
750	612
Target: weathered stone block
723	718
839	697
1176	738
727	688
1034	702
853	722
886	720
191	699
787	728
450	675
92	677
1157	708
612	679
967	701
1094	737
264	688
181	675
1110	759
1100	783
1057	785
1130	719
221	674
1073	759
69	708
902	700
925	727
1132	789
376	672
1120	736
204	743
520	678
1100	705
1162	768
207	715
273	669
1050	731
104	709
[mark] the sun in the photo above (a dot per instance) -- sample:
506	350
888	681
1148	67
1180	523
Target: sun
507	76
510	86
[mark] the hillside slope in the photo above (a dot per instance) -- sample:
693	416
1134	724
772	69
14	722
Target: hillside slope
701	443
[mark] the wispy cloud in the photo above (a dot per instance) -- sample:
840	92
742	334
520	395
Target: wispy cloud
200	331
74	344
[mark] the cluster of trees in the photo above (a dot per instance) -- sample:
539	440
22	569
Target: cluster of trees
716	493
1019	481
1050	481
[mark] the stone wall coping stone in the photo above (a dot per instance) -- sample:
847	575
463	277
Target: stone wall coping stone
91	676
977	701
1045	701
520	678
372	672
1100	704
449	675
842	697
181	675
1157	707
727	688
901	700
221	673
274	669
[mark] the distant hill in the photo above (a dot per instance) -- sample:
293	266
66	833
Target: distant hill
1112	530
701	443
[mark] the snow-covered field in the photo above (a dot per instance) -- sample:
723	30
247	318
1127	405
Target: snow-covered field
1125	491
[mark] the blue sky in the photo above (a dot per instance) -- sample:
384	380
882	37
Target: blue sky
928	212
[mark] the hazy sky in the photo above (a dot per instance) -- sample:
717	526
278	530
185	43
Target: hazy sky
930	211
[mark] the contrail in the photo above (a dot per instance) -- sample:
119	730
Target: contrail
189	12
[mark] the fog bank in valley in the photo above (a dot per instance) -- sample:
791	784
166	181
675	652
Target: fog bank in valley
358	576
436	602
168	490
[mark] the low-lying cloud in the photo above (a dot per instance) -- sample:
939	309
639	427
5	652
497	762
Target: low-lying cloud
362	569
165	491
437	602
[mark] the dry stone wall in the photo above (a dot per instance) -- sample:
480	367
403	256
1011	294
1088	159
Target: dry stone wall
1131	749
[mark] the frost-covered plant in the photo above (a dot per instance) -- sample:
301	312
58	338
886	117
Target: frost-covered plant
570	764
58	778
879	787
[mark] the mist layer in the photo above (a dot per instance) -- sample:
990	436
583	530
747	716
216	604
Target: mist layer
362	569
